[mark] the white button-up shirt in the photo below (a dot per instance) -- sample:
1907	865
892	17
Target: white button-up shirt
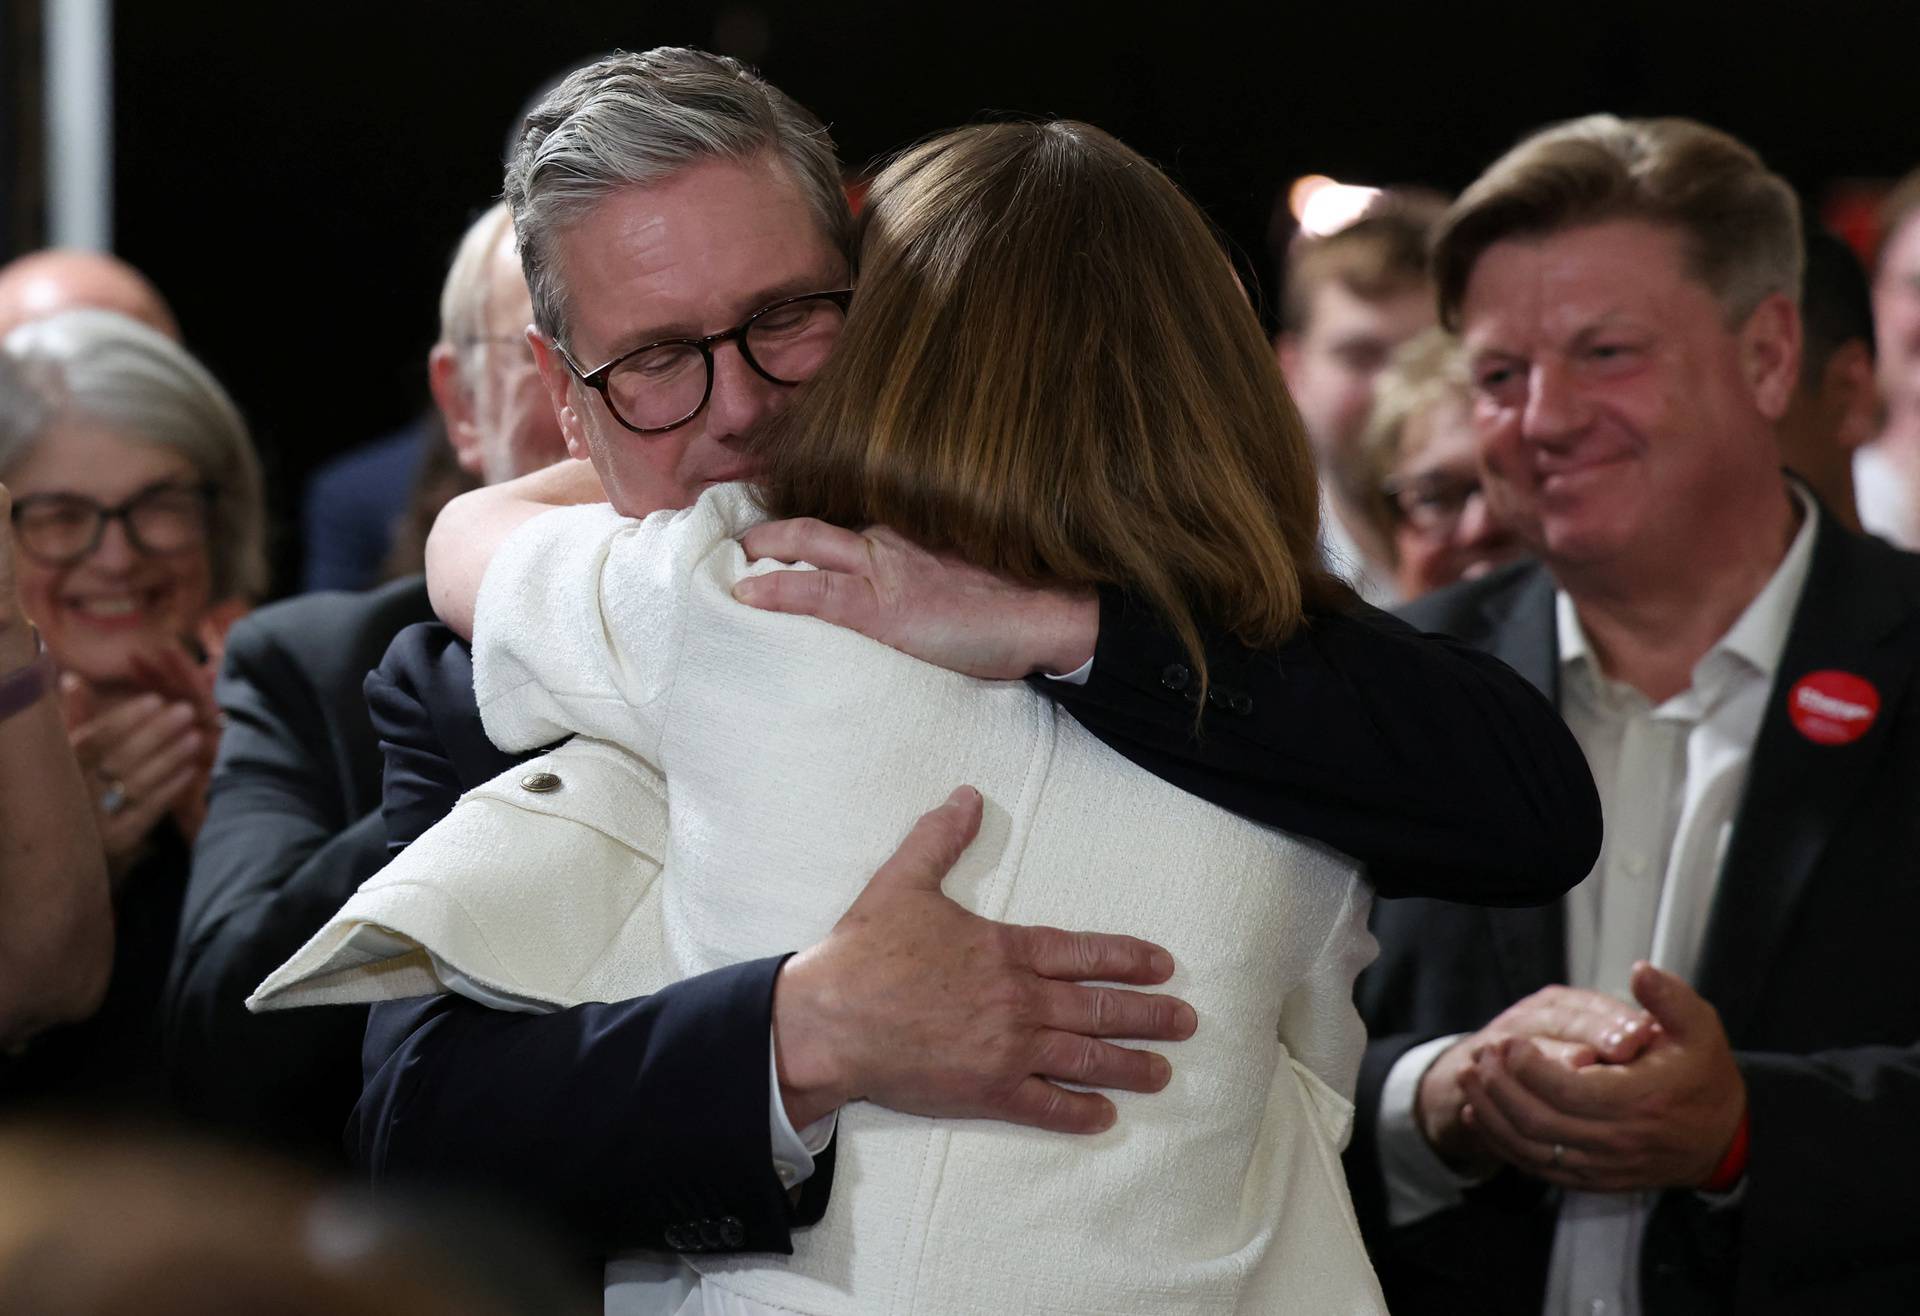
1670	779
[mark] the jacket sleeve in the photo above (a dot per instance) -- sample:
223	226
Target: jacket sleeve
641	1123
280	850
1434	764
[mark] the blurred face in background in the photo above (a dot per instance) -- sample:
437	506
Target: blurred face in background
1896	316
498	417
1331	366
1443	530
115	601
516	427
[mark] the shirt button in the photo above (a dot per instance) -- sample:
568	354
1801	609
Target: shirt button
540	783
1176	677
1637	865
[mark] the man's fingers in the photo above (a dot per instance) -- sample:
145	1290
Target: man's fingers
1112	1012
1494	1089
1049	1106
935	844
1069	1058
1593	1091
1616	1032
803	539
1092	956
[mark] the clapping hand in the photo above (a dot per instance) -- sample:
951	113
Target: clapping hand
1662	1120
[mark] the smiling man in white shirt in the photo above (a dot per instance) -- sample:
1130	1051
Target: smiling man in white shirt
1613	1106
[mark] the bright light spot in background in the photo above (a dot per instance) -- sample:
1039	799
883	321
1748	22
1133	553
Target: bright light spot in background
1323	206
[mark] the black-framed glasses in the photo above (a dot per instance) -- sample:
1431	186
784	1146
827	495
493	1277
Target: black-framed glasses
1432	503
661	386
59	529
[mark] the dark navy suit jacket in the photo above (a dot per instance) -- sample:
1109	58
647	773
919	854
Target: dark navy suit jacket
645	1123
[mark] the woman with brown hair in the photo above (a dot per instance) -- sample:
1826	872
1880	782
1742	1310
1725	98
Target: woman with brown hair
1048	371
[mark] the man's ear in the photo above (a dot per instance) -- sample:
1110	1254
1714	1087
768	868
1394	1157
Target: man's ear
1770	354
559	385
1853	394
455	400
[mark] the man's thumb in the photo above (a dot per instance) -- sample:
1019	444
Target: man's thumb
936	843
1675	1006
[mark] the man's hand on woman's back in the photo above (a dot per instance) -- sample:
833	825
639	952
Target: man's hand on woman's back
914	1003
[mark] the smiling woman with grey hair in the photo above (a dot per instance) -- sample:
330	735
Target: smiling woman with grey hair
137	526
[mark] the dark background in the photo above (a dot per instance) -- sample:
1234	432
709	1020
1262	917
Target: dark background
294	176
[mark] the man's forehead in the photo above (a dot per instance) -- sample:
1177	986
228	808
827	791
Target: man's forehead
1571	281
692	253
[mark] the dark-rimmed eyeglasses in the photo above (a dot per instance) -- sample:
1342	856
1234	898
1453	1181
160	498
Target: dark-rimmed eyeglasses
1433	503
59	529
661	386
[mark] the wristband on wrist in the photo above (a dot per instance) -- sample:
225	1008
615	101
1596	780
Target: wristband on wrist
1733	1165
24	687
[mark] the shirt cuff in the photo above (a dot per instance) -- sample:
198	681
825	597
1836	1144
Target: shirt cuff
1419	1183
1078	676
793	1152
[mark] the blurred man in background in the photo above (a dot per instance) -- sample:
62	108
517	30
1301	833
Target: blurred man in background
1351	298
1835	409
41	283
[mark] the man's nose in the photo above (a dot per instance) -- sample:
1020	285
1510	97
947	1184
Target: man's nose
1554	404
742	396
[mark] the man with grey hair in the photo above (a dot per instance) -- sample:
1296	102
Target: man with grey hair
688	250
481	370
1690	1085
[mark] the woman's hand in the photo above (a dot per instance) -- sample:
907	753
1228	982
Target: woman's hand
143	757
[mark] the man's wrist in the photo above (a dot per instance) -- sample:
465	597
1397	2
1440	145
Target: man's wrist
1070	624
810	1086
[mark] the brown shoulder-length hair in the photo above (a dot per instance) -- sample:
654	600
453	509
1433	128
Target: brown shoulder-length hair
1049	370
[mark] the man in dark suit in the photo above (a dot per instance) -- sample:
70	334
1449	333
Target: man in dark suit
1739	671
576	1110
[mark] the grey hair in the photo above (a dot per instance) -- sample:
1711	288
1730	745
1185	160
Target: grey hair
464	296
104	367
634	120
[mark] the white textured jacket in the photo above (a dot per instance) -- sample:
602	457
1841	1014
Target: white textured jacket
794	756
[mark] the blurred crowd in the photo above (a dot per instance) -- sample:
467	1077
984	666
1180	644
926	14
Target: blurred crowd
1548	418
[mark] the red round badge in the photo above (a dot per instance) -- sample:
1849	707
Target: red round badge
1833	708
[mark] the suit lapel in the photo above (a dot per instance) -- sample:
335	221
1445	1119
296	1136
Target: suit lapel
1531	944
1851	618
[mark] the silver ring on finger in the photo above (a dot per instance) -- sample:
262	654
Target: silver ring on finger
114	797
1559	1155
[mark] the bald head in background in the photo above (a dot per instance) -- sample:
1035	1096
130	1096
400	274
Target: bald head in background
41	283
